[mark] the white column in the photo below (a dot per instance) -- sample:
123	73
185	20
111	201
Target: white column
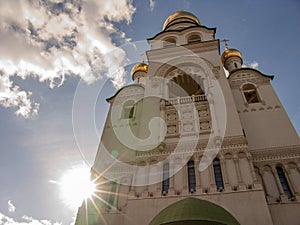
254	178
278	183
237	168
197	173
223	170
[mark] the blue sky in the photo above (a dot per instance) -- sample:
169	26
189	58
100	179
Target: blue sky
56	53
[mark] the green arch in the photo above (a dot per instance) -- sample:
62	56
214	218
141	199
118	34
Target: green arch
194	211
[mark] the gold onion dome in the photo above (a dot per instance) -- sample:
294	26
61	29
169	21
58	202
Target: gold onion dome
231	52
139	67
180	14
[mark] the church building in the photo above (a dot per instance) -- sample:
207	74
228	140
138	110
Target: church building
188	144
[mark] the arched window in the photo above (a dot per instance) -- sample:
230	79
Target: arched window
169	42
128	109
166	181
250	93
194	38
218	174
284	183
191	176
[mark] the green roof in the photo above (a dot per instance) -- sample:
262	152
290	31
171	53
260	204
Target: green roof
194	211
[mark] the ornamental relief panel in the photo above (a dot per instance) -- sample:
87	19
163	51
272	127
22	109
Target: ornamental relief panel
171	116
172	129
203	113
205	125
123	98
188	127
187	115
239	79
187	119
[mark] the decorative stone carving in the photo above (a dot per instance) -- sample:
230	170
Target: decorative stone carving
171	129
187	115
204	125
202	113
216	70
188	127
171	116
241	78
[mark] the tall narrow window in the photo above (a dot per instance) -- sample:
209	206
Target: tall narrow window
218	174
112	195
166	181
128	109
250	93
191	176
284	182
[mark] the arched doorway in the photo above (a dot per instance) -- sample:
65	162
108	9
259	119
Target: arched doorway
192	211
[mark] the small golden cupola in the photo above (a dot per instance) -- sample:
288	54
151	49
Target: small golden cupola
139	71
231	58
180	16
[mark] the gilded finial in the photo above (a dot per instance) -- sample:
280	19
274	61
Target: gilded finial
144	57
230	52
225	41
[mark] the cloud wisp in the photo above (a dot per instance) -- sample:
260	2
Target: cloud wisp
11	207
26	220
253	65
152	5
51	40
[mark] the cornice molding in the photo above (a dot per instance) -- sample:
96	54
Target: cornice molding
277	153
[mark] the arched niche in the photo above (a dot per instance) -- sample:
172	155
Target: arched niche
193	38
184	85
195	212
186	76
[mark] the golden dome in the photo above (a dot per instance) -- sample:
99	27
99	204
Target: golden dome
139	67
178	15
231	52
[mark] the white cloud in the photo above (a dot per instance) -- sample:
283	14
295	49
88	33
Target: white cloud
51	39
26	220
253	65
12	96
11	207
152	5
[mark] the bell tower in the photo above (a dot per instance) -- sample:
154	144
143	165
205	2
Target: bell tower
178	146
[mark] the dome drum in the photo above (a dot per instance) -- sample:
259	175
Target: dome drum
139	67
228	53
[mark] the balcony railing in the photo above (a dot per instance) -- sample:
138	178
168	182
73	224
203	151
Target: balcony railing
185	100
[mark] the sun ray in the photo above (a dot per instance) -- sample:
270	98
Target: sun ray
98	210
86	213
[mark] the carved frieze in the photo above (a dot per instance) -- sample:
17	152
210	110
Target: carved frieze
239	79
203	113
172	129
205	125
188	127
171	116
187	115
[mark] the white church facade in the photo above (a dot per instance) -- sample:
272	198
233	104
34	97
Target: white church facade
186	144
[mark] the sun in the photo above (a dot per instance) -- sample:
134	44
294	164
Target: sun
76	186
